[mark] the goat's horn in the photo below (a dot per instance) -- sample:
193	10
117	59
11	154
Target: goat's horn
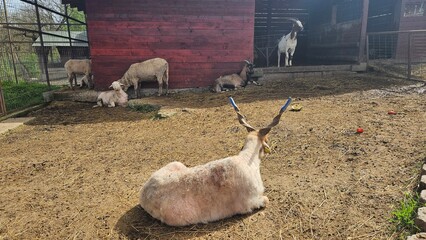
276	119
241	118
247	61
291	19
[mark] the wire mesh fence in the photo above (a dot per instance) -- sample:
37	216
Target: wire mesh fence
401	53
37	37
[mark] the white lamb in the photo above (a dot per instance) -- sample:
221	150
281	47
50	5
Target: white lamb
79	66
179	196
156	69
113	97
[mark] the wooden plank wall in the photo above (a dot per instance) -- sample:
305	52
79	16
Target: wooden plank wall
330	41
201	40
412	23
383	15
418	41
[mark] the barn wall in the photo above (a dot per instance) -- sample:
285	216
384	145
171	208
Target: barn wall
336	31
201	40
415	21
384	15
412	21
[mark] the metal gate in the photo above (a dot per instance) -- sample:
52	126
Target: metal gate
401	53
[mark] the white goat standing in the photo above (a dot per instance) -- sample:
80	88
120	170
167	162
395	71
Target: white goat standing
79	66
156	69
113	97
288	43
179	196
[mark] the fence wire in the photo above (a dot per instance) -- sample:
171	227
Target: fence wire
402	53
37	37
22	51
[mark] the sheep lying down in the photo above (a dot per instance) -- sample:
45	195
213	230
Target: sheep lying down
113	97
179	196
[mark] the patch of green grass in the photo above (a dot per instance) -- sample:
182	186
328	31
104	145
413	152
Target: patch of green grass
405	214
21	95
144	108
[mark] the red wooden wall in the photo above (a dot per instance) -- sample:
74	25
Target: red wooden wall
201	40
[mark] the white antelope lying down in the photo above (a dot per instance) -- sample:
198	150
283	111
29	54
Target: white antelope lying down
179	196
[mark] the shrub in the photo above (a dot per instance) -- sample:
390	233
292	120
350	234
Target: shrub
20	95
404	215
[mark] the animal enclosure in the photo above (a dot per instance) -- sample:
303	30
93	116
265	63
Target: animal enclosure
60	176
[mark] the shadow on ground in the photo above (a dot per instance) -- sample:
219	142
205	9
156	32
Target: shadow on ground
274	87
138	224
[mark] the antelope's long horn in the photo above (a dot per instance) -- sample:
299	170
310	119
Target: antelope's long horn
241	117
276	119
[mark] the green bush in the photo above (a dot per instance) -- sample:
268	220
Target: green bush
20	95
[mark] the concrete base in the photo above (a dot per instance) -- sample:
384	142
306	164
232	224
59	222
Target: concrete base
317	69
12	123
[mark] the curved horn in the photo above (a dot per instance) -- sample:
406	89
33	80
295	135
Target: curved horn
247	61
276	119
241	117
291	19
295	21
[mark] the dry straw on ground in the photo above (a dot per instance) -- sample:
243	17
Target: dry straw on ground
74	172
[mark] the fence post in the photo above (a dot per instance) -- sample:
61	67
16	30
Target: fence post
69	31
10	41
267	56
3	110
367	49
409	57
43	53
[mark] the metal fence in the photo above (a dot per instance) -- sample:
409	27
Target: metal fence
36	38
401	53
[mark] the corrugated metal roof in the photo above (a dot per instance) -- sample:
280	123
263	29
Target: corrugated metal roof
56	41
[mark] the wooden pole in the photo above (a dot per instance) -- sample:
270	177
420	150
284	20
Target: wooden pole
409	57
43	51
367	46
363	34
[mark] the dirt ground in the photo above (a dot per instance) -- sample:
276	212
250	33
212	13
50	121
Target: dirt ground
75	171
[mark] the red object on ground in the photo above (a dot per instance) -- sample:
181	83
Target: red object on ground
391	112
359	130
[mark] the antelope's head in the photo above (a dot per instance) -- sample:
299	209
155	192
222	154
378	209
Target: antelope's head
261	134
